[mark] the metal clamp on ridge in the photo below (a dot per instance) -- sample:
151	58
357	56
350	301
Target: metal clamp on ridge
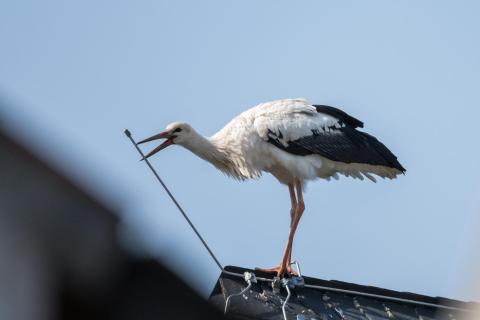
296	280
249	278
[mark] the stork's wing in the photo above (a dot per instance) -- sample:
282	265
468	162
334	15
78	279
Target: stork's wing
302	129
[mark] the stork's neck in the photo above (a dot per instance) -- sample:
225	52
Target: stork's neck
204	148
213	151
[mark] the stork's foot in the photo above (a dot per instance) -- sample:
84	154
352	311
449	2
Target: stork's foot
281	272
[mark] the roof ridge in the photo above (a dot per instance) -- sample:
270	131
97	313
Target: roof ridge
368	289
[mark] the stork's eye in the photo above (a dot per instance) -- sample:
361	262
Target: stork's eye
177	130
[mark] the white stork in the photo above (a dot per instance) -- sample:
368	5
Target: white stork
295	142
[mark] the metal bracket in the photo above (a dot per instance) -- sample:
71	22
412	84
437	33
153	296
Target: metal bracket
249	278
290	283
287	283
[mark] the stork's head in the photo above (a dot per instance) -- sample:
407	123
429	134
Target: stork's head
175	133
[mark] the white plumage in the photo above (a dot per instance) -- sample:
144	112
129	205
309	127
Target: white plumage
293	140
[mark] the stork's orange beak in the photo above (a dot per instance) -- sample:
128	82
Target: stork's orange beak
166	143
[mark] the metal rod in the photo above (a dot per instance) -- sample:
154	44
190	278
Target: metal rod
129	135
297	264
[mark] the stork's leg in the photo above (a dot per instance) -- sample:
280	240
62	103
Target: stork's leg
300	208
293	201
293	209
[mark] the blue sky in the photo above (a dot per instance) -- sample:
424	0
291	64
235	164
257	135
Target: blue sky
76	74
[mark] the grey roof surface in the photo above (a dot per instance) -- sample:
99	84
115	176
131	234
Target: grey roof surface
331	300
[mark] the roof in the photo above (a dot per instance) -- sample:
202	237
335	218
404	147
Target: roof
335	300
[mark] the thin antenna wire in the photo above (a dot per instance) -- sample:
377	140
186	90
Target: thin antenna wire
129	135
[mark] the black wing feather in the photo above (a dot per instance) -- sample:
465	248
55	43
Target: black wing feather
339	114
343	144
349	146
